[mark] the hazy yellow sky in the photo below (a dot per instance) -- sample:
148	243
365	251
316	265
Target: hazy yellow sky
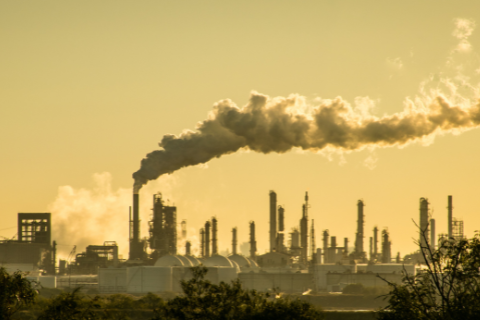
88	88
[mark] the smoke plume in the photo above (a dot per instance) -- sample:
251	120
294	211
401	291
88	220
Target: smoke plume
280	124
283	123
83	217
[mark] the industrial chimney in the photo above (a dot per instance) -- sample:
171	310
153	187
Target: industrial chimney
432	234
188	246
273	220
304	231
423	223
214	236
234	241
312	244
207	239
450	218
325	246
371	249
202	242
281	229
136	248
375	242
253	242
386	247
359	253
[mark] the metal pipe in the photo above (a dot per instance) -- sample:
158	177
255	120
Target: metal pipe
214	237
207	239
450	217
253	242
273	220
432	234
234	241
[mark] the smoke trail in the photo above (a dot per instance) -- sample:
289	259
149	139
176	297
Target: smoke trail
84	216
278	124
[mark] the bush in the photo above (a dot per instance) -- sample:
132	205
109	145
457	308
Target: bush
204	300
448	288
15	292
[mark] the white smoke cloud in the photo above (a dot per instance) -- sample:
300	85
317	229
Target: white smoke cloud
463	30
268	125
84	217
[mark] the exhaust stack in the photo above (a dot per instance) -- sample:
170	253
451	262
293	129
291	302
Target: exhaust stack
253	242
273	221
214	236
136	248
207	239
234	241
450	217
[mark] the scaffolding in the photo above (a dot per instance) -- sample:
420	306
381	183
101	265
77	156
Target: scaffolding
163	227
34	228
95	257
457	229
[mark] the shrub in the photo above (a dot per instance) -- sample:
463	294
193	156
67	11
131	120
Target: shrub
15	292
204	300
449	288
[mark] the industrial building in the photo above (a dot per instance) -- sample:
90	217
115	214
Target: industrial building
154	265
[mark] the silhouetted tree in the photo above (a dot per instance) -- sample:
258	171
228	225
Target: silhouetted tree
204	300
15	292
448	288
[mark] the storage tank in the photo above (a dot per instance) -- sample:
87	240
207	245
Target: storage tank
146	279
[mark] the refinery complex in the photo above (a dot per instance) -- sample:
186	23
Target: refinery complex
156	263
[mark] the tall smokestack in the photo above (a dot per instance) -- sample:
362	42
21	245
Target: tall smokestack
188	246
253	242
281	229
136	218
281	218
432	234
214	237
450	217
371	248
359	236
304	230
423	223
207	239
312	244
325	246
234	241
202	242
386	247
273	221
375	242
345	246
136	249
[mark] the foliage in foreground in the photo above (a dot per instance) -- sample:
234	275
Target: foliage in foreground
200	300
204	300
15	292
447	289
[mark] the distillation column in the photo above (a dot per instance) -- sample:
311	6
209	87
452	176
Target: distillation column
273	221
253	242
214	236
234	241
